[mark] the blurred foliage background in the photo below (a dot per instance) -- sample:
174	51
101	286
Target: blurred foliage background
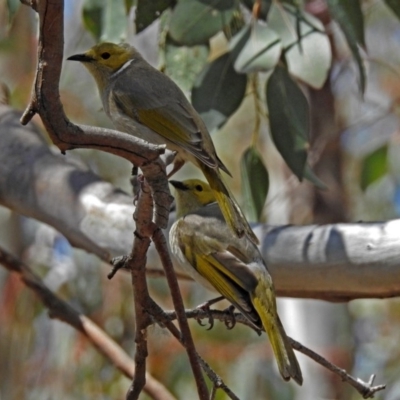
302	100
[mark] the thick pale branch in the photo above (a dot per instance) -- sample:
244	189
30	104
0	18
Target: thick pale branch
332	262
337	262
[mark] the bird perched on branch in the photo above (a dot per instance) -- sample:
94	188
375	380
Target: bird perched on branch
206	248
142	101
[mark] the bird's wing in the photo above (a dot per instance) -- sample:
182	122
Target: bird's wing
216	262
161	106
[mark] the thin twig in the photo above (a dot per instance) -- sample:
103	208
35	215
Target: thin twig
364	388
165	319
62	311
137	264
162	249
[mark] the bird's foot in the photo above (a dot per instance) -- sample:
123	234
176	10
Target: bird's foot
206	307
231	321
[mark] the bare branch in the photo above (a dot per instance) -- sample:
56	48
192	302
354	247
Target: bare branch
187	340
137	264
62	311
65	135
366	389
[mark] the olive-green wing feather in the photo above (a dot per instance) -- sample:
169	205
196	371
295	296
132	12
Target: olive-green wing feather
160	105
226	273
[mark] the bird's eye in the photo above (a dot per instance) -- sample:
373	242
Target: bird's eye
199	188
105	56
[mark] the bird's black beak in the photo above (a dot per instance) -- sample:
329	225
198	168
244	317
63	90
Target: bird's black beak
178	185
80	57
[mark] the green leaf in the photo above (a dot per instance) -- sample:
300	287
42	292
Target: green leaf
12	8
148	11
261	51
92	15
115	24
374	166
183	64
349	16
237	43
196	21
394	5
255	183
288	119
307	47
265	6
218	91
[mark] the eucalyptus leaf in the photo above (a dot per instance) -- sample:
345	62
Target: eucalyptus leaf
92	15
349	16
261	51
374	167
148	11
289	119
196	21
394	5
218	91
12	8
237	43
183	64
307	47
255	183
115	24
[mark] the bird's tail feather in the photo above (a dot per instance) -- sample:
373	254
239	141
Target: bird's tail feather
284	353
233	215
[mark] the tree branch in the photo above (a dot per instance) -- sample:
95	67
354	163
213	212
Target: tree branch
62	311
187	340
366	389
137	264
337	262
65	135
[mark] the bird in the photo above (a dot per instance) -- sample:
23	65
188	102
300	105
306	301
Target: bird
213	256
144	102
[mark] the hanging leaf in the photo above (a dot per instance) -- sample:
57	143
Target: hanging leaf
237	43
374	166
115	24
218	91
105	20
261	51
196	21
148	11
255	183
394	5
349	16
92	15
307	47
183	64
12	8
289	119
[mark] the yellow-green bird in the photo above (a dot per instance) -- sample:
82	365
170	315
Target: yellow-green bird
142	101
208	251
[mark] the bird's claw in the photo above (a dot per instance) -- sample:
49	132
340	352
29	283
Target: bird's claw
231	322
206	308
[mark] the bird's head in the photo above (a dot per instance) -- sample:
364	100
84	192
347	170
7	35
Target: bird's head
103	59
191	194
